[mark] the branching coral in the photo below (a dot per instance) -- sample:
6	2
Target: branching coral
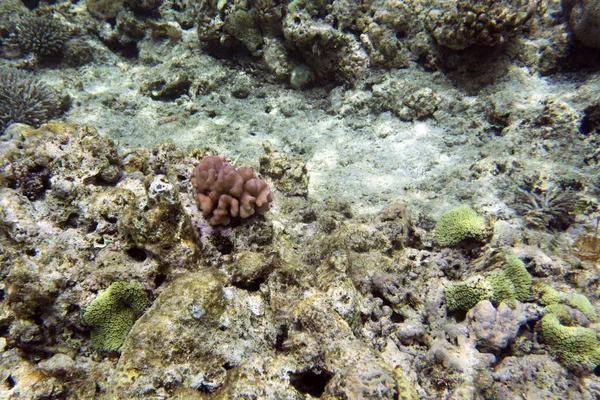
224	191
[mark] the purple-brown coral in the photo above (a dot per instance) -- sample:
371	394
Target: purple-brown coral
222	191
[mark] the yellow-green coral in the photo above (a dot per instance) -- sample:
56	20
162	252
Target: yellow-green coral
459	224
504	289
515	270
112	314
575	347
583	304
509	284
463	296
544	294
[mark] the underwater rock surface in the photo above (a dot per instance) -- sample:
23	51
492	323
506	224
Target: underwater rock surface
433	232
307	300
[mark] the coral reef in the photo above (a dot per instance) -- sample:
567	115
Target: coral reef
112	314
301	40
223	192
25	99
508	284
339	306
461	24
368	120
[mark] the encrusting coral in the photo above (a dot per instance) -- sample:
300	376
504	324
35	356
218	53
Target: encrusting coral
509	284
515	269
575	346
224	191
544	294
112	314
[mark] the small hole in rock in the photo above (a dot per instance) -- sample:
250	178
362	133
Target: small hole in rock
159	279
137	254
311	382
10	382
92	227
282	335
459	315
223	244
250	285
227	366
397	318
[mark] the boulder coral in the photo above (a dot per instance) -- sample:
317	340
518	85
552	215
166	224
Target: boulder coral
458	225
584	19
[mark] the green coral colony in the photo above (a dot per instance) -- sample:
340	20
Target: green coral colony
458	225
112	314
575	346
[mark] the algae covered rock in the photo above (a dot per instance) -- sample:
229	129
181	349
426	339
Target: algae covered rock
463	23
199	324
493	328
112	314
241	25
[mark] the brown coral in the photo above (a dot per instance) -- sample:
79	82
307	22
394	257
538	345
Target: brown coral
458	25
224	191
584	18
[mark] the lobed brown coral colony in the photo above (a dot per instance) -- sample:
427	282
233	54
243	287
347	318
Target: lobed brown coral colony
222	191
